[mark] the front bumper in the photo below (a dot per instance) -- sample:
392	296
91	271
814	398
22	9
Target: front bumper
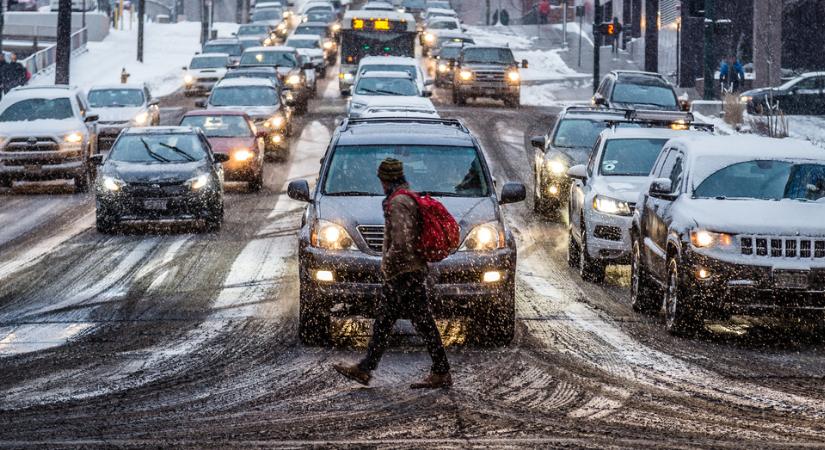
126	206
608	237
40	166
753	288
108	133
456	285
488	89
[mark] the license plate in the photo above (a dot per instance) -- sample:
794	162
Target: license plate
791	280
154	204
32	168
490	91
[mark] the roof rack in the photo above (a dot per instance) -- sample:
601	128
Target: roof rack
676	120
345	125
594	110
44	86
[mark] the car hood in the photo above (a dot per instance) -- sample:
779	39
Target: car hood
762	217
154	173
255	112
217	71
118	114
311	52
626	189
227	144
355	211
41	127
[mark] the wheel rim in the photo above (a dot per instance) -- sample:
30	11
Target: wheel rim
672	299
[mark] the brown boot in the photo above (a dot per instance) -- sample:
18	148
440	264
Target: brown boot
353	372
434	381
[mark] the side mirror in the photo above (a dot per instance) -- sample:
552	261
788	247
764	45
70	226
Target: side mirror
427	93
200	103
512	193
220	157
298	190
96	159
598	100
661	188
428	82
538	142
91	118
524	64
578	172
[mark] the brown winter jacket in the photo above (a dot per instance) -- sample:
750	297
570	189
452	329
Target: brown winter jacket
402	227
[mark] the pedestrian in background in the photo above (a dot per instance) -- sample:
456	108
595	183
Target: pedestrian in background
405	283
544	11
731	74
17	74
3	70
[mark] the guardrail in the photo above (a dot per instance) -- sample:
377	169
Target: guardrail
46	58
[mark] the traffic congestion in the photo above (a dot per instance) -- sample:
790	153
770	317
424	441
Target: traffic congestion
622	271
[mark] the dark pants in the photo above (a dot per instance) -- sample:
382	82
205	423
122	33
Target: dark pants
405	296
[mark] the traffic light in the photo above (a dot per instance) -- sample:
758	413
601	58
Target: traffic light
610	28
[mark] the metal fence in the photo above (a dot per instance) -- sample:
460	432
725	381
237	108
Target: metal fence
46	58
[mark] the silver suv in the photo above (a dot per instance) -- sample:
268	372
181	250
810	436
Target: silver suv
46	132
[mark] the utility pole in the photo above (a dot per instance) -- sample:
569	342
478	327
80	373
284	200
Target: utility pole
710	64
652	35
141	13
564	24
204	22
82	15
597	43
63	53
487	20
2	23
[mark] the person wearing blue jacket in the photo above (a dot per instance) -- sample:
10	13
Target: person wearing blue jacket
732	72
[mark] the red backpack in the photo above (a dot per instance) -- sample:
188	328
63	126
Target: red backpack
440	233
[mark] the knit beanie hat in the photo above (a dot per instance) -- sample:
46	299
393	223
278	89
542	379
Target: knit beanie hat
391	170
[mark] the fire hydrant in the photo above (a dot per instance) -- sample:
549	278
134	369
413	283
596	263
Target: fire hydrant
124	76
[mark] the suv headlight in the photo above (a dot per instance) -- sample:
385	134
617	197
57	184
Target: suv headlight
141	119
346	76
112	184
513	76
484	237
556	167
331	236
466	75
609	205
293	79
199	182
74	137
328	45
707	239
358	106
443	68
188	79
429	38
275	123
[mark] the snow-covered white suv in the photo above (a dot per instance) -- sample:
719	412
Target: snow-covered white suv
46	132
204	71
603	195
731	225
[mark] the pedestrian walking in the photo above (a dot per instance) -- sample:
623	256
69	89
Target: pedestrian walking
17	74
544	11
405	271
731	74
3	70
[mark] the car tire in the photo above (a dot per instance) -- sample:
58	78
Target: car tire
313	322
215	219
573	250
257	183
590	270
512	101
642	290
495	324
682	318
104	222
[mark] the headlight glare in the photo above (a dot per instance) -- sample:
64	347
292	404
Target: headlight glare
242	154
336	27
705	239
112	184
513	76
331	236
73	138
327	45
609	205
556	167
429	38
141	119
188	79
198	182
466	75
275	122
442	68
484	237
293	79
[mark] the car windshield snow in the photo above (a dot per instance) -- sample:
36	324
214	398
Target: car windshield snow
303	43
268	14
248	30
578	133
489	56
220	126
244	96
630	157
319	16
439	170
38	109
209	62
443	25
644	94
278	59
765	180
449	52
386	86
158	149
231	49
112	98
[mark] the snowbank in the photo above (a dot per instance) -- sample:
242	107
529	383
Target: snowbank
167	48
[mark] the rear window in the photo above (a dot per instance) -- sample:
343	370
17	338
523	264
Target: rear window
270	58
630	157
231	49
243	96
439	170
220	125
209	62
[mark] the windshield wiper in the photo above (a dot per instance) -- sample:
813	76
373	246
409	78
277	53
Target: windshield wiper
154	155
178	151
440	194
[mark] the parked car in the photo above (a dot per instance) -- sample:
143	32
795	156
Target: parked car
628	89
204	71
159	174
804	94
487	71
292	71
48	132
121	106
233	133
262	101
727	227
341	235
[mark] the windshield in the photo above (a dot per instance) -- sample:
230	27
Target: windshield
231	49
449	52
443	25
253	30
320	16
489	56
645	94
765	180
386	86
303	43
108	98
389	68
244	96
578	133
268	14
38	109
319	31
414	4
630	157
319	8
440	170
279	59
158	149
220	126
209	62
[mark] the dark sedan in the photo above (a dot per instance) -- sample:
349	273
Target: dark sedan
802	95
160	174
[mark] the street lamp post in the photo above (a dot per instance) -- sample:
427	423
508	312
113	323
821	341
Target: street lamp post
710	20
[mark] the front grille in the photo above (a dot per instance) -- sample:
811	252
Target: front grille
155	190
489	76
782	247
374	236
32	144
